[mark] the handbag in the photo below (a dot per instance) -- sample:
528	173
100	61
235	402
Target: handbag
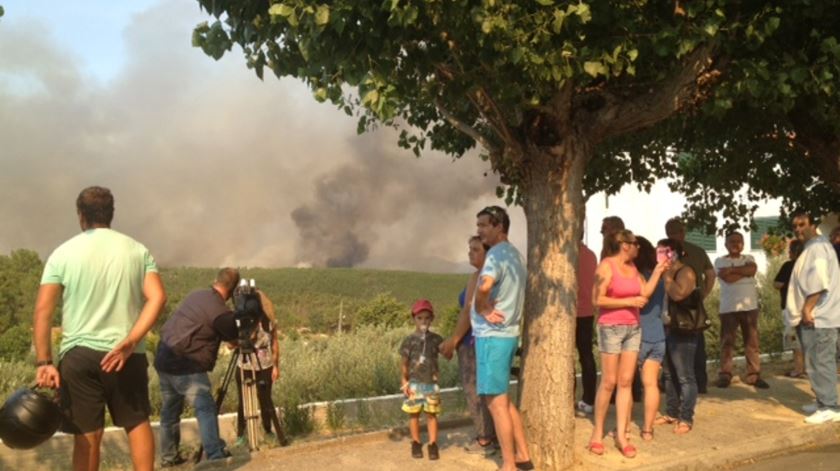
689	315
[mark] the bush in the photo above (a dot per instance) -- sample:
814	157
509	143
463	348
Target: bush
383	310
15	342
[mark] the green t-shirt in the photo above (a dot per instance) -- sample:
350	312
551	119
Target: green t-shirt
102	272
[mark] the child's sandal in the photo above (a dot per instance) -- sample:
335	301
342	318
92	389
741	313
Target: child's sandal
647	435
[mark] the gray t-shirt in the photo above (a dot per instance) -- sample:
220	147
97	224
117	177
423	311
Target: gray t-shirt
422	353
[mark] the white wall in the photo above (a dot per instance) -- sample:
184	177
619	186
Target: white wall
646	214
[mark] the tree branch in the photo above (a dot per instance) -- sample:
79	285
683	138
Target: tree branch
686	88
820	144
466	128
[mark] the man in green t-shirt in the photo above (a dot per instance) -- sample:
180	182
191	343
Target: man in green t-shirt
698	260
111	296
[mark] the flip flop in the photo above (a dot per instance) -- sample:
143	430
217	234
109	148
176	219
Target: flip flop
596	448
664	420
682	428
647	435
629	451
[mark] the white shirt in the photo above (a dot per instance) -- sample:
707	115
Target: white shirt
815	270
741	295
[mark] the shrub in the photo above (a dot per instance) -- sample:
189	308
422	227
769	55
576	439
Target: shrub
15	342
383	310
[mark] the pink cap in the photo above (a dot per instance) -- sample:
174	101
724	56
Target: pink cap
422	305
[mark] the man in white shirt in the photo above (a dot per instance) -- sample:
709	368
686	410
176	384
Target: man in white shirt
738	308
813	306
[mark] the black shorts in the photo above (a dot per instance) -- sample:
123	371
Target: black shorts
86	390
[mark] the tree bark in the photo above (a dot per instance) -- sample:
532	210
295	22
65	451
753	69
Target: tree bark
552	204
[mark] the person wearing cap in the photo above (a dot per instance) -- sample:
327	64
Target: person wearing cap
419	367
495	317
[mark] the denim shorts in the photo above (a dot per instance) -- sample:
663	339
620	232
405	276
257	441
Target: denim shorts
653	351
619	338
494	357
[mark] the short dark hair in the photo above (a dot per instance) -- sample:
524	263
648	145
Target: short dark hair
96	205
673	225
733	233
801	213
674	245
497	216
228	278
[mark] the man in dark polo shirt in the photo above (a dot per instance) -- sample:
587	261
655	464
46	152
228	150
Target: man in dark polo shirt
189	346
698	260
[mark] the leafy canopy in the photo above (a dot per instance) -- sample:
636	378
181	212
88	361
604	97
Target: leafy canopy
519	76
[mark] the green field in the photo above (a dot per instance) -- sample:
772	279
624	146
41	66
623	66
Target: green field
314	297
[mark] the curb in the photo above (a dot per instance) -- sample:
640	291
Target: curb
760	448
395	433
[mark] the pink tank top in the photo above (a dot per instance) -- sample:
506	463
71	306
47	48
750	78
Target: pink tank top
621	287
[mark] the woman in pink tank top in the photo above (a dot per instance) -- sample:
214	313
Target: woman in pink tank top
619	292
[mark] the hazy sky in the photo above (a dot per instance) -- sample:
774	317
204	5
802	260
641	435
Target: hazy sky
207	163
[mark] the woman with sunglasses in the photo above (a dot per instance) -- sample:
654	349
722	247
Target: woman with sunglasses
620	291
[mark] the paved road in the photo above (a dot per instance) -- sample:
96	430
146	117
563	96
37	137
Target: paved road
817	459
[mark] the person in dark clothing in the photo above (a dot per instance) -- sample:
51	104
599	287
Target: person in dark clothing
188	348
781	283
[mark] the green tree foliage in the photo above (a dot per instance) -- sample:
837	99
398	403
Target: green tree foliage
15	342
20	275
552	90
385	311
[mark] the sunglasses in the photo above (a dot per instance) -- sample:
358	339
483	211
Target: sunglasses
631	242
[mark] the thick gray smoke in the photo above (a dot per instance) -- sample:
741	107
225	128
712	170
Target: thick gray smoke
210	166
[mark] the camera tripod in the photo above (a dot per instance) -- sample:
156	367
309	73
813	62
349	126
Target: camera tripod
250	404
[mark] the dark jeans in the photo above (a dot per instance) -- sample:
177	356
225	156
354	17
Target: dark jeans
267	410
678	375
583	342
700	365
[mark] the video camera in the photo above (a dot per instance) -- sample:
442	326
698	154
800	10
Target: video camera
247	314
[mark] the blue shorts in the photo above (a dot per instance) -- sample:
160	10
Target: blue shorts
653	351
494	357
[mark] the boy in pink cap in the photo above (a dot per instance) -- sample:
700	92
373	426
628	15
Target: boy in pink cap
419	366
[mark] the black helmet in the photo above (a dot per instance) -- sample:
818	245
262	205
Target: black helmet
28	418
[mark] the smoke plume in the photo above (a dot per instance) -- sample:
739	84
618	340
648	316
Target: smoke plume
210	166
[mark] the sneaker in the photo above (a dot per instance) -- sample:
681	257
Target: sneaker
722	382
761	384
823	416
476	448
433	452
584	407
810	408
177	461
416	449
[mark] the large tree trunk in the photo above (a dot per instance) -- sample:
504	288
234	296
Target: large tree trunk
553	203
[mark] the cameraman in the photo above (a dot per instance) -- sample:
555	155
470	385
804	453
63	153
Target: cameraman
189	345
265	371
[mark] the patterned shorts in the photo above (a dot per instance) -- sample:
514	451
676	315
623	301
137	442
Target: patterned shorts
422	397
